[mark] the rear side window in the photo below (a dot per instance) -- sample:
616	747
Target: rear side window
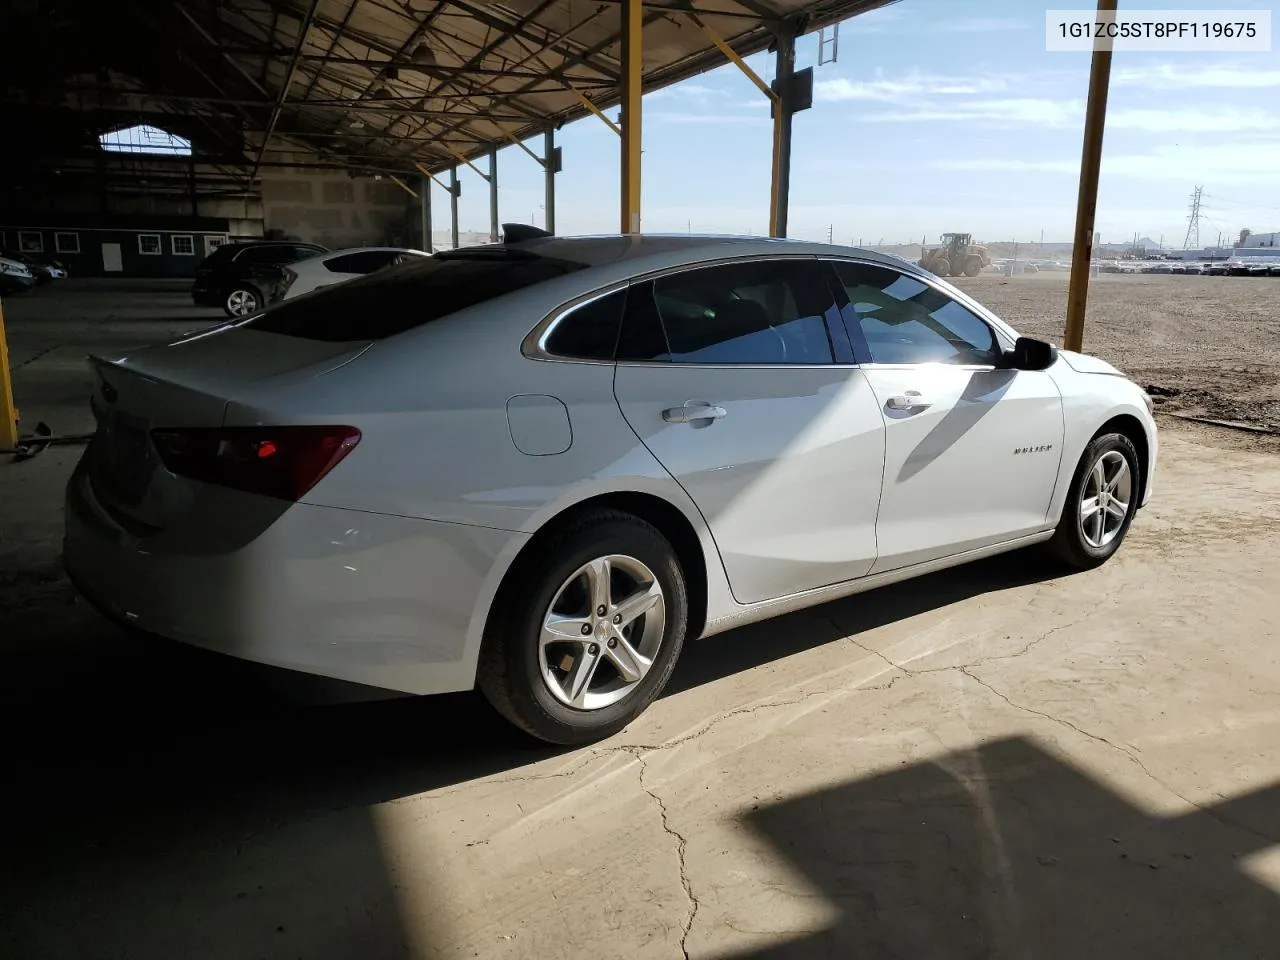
409	295
765	312
589	331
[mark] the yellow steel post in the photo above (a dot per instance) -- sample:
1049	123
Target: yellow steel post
780	182
8	412
632	80
1095	120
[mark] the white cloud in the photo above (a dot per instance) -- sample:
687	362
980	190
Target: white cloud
688	92
1222	77
1252	163
1018	111
1194	121
907	87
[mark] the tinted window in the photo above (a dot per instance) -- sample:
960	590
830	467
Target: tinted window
306	253
904	320
366	261
763	312
409	295
589	332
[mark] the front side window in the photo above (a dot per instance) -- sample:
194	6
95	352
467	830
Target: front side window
761	312
900	319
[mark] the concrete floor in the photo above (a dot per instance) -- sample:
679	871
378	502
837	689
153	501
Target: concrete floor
982	763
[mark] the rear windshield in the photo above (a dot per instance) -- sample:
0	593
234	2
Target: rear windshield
408	295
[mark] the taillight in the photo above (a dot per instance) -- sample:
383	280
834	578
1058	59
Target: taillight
282	462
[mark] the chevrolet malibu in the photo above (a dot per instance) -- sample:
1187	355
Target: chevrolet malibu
539	467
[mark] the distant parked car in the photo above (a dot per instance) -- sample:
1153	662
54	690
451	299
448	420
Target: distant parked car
330	268
1259	268
238	277
42	268
15	277
1219	268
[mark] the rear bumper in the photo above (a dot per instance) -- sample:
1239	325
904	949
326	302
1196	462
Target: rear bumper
384	601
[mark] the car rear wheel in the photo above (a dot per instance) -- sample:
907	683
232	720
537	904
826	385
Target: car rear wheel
242	301
1101	503
588	630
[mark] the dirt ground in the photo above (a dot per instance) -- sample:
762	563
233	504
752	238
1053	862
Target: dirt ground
994	761
1216	340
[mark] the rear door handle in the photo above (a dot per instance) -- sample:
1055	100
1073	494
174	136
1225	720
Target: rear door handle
911	400
693	411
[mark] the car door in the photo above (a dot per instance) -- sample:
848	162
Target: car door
971	448
729	376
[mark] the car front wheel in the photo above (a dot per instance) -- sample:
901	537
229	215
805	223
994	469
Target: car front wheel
1101	503
587	633
241	302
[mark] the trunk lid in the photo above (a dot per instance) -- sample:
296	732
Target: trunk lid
188	383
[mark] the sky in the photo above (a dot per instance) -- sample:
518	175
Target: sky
939	115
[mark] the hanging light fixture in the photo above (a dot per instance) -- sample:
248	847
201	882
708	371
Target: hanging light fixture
423	55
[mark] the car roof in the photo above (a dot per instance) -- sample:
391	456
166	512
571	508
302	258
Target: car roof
667	250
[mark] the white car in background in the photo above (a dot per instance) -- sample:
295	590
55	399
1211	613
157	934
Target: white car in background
538	467
338	266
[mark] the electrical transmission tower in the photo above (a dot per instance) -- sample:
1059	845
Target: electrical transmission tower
1192	241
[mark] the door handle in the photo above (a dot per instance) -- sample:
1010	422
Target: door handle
693	411
911	400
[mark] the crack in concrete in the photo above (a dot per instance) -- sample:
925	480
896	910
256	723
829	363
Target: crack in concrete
681	845
1031	644
1128	753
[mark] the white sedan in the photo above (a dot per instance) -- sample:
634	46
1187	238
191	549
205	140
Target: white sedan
540	467
313	273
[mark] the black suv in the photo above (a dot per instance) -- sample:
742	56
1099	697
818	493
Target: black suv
239	276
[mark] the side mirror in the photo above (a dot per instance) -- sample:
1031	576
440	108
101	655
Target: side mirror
1031	354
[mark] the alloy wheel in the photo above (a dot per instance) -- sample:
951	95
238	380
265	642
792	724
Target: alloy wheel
602	632
1104	499
241	303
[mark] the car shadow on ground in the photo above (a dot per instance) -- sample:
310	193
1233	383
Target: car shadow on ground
165	723
134	765
1005	850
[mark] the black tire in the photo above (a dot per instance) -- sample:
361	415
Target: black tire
1069	545
242	290
509	674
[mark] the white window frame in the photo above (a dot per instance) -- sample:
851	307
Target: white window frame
23	234
173	244
60	246
157	252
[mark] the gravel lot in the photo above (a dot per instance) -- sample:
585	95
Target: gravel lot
1216	340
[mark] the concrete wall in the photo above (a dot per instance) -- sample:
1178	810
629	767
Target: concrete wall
336	210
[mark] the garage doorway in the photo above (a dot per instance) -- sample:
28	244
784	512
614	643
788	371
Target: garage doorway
112	261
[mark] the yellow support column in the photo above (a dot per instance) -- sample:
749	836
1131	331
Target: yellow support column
1095	122
632	79
8	413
